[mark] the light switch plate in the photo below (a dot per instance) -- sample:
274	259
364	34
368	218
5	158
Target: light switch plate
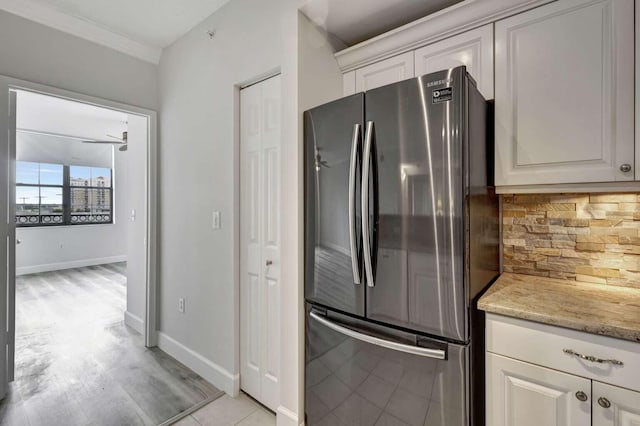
216	220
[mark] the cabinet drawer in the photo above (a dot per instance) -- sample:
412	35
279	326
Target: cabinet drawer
544	345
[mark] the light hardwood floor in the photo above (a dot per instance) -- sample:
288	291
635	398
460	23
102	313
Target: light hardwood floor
78	364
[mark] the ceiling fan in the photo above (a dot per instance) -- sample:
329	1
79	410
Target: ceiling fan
116	141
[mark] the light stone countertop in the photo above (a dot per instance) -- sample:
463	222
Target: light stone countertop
593	308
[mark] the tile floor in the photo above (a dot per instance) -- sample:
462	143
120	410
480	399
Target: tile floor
227	411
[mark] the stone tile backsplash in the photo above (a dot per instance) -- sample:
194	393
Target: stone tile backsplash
585	237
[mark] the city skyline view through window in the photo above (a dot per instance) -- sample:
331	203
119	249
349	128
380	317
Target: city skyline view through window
56	194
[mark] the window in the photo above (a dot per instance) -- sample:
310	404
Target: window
39	193
90	194
56	194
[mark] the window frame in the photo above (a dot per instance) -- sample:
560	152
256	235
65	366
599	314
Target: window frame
66	199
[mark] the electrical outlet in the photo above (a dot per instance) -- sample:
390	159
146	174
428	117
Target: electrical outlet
181	305
216	220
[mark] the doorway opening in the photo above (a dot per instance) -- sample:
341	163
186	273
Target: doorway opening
80	346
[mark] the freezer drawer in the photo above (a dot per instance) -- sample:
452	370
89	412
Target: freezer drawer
359	373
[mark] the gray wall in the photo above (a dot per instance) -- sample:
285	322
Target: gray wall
197	78
198	91
34	52
198	88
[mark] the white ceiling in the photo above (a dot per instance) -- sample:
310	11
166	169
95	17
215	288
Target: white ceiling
141	28
52	115
155	22
138	27
353	21
51	129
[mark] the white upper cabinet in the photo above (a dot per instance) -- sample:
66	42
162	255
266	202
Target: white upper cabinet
474	49
385	72
564	98
349	83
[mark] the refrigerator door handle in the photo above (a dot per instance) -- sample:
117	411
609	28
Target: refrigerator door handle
352	204
366	169
389	344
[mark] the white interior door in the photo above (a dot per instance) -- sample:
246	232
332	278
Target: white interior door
12	241
260	240
7	230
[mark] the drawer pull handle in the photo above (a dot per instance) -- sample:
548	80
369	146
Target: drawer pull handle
592	358
604	402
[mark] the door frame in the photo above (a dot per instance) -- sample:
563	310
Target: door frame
236	213
8	84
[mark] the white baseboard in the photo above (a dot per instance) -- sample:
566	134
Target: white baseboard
210	371
134	322
47	267
286	417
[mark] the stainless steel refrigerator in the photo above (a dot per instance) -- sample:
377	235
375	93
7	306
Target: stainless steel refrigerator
401	235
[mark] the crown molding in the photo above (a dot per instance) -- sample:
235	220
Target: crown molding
81	28
456	19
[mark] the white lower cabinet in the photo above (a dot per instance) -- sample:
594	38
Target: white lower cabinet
614	406
523	394
541	375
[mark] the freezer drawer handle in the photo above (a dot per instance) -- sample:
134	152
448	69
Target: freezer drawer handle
592	358
352	204
401	347
366	243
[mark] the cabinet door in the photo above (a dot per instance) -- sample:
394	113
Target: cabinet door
522	394
564	76
474	49
614	406
349	83
385	72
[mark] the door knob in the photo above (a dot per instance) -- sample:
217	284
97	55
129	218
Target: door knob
581	396
18	241
625	168
269	262
604	402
